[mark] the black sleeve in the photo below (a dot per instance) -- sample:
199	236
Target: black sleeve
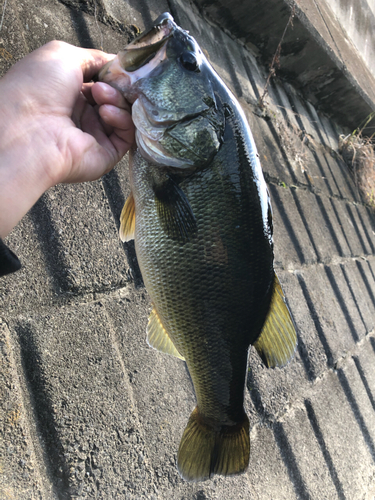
9	262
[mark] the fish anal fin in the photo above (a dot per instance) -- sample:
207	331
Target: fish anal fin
205	450
127	220
158	338
277	341
174	211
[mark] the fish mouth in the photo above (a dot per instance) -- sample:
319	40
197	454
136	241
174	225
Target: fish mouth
139	58
145	47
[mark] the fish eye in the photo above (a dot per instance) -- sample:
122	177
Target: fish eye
189	61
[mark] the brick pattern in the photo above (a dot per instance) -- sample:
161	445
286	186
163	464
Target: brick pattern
88	410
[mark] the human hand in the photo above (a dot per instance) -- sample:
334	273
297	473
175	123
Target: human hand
56	128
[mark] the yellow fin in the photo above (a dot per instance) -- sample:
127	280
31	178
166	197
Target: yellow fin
278	339
158	338
127	220
206	450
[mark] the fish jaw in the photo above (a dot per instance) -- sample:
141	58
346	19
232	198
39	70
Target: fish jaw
140	58
116	75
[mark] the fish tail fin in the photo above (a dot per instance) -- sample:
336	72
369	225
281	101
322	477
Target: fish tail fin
205	450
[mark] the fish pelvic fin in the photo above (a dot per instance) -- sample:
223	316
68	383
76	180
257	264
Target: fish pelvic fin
158	338
277	341
127	220
205	450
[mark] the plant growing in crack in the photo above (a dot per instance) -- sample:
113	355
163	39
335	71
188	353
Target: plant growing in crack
276	59
358	152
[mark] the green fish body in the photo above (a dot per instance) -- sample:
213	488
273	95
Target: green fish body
201	218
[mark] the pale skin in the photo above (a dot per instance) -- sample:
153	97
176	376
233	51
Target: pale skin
56	126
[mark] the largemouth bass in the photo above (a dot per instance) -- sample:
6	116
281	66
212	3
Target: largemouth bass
201	217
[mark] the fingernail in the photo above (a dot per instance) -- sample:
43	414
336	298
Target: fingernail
107	89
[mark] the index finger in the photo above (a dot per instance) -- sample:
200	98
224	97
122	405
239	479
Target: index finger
92	61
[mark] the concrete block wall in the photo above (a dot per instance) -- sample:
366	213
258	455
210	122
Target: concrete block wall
87	409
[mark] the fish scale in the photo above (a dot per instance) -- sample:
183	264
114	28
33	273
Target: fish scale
200	297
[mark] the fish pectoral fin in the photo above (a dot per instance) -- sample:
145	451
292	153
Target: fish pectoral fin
158	338
205	450
174	211
127	220
277	341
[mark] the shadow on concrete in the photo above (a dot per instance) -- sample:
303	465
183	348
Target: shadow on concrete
341	302
252	387
51	246
334	176
315	155
40	214
371	271
323	173
282	441
348	179
250	77
356	228
371	217
43	410
356	411
116	200
318	126
111	181
271	126
142	6
365	280
306	224
364	380
230	67
290	462
372	342
276	139
329	226
173	9
279	101
315	318
276	200
366	230
80	27
340	224
305	358
294	109
327	457
353	295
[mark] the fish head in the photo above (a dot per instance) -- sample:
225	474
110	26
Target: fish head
166	77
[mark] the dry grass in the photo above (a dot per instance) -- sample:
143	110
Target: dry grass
359	154
5	54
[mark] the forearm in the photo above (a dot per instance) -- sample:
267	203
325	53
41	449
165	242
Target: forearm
23	177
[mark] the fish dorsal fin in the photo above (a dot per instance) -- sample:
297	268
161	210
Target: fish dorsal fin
278	339
127	220
174	211
158	338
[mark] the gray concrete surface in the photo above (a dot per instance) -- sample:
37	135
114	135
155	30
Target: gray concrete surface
358	19
87	409
317	54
